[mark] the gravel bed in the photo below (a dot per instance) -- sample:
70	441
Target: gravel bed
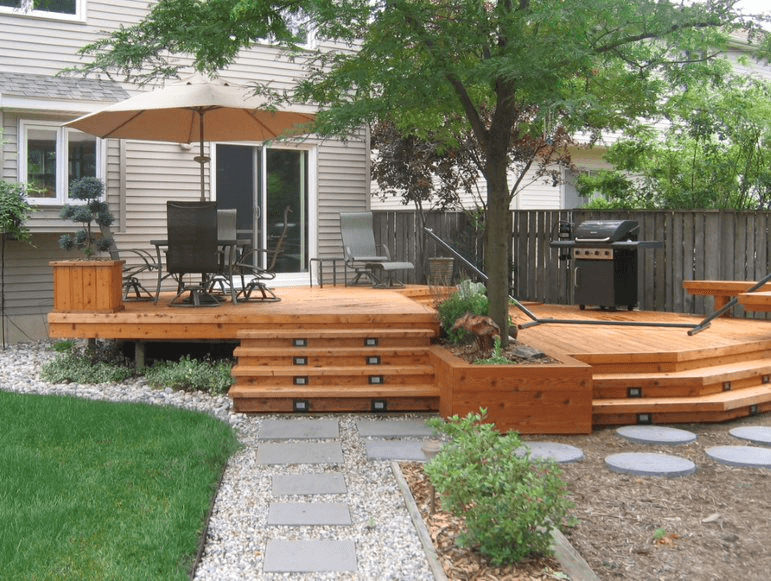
387	544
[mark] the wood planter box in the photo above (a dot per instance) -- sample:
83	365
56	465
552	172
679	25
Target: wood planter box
88	286
529	399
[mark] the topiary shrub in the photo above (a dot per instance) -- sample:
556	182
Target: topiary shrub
94	215
509	502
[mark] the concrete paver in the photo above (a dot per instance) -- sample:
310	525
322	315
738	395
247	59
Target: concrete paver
308	484
288	453
283	556
309	513
300	429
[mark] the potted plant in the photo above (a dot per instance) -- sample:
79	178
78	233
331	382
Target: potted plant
91	283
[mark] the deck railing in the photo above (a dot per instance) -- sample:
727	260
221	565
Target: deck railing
702	244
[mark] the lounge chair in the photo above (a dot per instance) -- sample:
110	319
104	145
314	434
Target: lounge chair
368	260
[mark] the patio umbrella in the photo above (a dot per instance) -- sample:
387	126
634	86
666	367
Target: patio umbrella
196	109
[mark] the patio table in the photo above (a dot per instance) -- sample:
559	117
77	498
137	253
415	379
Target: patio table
161	243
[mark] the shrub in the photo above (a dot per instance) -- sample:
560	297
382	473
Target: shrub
92	363
190	374
93	214
509	502
469	298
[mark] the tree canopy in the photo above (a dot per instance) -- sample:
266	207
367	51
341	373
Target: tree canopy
516	74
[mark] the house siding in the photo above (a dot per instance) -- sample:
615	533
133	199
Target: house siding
141	176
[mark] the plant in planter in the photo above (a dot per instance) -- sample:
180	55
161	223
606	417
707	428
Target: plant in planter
94	215
88	285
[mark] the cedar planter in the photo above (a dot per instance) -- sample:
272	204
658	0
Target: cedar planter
88	286
527	398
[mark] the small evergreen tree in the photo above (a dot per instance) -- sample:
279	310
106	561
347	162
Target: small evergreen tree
93	213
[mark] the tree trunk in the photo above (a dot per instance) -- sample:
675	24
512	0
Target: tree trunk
497	243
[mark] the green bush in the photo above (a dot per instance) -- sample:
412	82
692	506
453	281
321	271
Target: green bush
509	502
469	298
75	366
190	374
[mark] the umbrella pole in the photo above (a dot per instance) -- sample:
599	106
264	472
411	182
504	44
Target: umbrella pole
201	158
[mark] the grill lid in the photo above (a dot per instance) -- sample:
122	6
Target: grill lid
608	231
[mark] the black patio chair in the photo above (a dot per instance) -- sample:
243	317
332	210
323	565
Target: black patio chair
137	262
367	259
254	278
193	249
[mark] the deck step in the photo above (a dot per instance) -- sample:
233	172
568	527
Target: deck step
685	383
331	356
669	362
294	399
335	369
320	338
371	375
713	407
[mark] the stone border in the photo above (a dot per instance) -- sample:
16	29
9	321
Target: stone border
570	559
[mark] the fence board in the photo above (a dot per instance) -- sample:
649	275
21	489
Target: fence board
708	244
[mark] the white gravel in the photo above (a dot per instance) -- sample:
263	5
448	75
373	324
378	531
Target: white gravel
387	544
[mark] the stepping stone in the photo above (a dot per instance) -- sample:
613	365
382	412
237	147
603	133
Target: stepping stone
286	453
744	456
307	484
755	434
646	464
309	513
561	453
299	429
395	450
394	429
656	435
309	556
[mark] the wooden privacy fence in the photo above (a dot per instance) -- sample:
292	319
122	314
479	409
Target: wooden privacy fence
702	244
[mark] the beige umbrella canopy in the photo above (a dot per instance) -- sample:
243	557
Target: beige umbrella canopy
194	110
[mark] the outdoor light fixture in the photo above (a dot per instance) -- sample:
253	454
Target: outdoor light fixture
301	405
379	405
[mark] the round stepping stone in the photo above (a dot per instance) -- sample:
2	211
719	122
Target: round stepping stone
744	456
561	453
755	434
656	435
648	464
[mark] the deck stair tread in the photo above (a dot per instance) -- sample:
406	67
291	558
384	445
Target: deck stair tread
334	333
723	401
361	370
697	376
365	392
328	351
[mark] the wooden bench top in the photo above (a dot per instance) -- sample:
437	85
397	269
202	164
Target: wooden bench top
721	287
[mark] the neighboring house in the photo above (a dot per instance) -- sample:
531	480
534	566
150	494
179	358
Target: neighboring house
542	194
315	178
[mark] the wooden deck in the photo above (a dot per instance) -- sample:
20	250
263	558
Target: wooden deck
363	349
652	374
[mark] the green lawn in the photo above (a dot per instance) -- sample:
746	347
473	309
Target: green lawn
97	490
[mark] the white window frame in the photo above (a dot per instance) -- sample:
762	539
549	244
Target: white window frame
25	9
295	25
62	161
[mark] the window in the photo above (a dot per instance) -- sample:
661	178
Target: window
64	9
51	156
301	27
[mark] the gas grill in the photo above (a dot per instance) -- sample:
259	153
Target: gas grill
604	254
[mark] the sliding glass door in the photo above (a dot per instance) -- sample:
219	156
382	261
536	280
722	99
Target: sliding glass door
270	189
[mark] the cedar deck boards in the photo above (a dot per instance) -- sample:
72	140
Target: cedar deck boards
720	373
662	375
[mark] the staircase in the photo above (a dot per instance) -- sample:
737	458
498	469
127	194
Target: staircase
703	385
334	370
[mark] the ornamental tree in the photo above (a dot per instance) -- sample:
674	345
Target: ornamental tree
513	73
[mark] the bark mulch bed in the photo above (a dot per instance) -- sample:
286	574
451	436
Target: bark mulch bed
712	525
